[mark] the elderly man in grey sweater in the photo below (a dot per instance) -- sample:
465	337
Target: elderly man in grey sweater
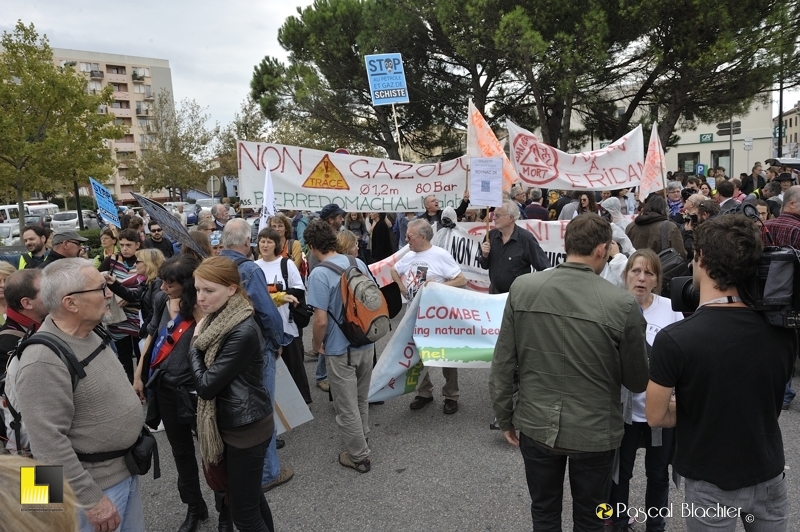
103	414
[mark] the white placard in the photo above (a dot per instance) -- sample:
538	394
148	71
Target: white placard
290	407
486	181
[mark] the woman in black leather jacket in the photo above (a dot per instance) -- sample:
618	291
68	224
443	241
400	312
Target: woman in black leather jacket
234	413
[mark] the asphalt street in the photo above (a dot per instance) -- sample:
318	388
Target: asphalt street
430	471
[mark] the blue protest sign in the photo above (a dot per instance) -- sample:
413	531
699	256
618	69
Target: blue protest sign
387	79
105	203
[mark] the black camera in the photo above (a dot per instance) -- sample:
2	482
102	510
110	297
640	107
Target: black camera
774	288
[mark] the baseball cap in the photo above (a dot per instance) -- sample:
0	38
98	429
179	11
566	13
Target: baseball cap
331	210
58	238
215	237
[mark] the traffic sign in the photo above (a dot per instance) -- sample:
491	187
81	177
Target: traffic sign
213	185
728	125
775	131
700	169
706	137
605	144
387	79
728	132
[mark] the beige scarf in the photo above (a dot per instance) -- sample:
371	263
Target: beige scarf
214	329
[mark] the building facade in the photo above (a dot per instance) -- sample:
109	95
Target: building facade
136	81
790	146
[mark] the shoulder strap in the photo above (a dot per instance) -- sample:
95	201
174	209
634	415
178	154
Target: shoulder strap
13	332
664	240
240	260
326	264
285	273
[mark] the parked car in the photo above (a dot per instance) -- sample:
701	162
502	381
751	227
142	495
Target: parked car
68	221
9	234
189	209
207	203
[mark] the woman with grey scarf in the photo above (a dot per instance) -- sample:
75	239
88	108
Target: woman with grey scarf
234	413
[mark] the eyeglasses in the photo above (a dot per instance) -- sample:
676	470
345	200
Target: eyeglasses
155	230
103	288
74	242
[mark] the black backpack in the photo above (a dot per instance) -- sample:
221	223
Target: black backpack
672	263
77	372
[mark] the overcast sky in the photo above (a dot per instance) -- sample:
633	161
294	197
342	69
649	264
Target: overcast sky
211	47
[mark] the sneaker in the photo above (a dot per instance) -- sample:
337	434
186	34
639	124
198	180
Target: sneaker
493	425
419	402
311	356
324	386
450	406
284	476
160	428
347	461
280	444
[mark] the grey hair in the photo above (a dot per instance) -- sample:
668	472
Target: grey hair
61	278
236	234
535	193
422	227
673	185
510	208
215	209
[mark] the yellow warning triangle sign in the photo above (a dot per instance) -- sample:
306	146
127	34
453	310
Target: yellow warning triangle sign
325	175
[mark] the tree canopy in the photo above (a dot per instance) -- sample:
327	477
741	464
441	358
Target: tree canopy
50	130
178	150
614	63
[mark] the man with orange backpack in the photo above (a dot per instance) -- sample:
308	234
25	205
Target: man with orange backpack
348	356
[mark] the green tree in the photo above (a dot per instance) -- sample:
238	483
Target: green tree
448	56
178	151
248	124
50	130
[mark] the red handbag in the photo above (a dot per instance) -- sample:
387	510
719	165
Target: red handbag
217	474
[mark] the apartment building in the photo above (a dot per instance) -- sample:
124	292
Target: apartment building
790	146
136	81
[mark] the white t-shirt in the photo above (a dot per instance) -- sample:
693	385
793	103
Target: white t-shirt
658	315
272	271
434	264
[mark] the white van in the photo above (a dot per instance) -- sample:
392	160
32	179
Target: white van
40	208
10	213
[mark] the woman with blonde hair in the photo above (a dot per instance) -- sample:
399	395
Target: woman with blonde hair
642	278
347	243
6	269
108	243
148	261
283	226
234	413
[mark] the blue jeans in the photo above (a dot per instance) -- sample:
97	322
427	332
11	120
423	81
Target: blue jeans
589	480
656	468
272	467
762	508
322	369
127	498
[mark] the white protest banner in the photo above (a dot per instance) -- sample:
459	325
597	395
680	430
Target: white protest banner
307	180
618	165
381	271
457	328
291	409
486	181
268	200
655	166
482	142
398	369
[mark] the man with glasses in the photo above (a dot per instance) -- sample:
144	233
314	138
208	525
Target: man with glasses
423	264
102	414
157	240
68	244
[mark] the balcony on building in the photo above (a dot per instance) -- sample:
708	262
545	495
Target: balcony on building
96	74
137	78
149	96
140	111
122	145
120	112
122	96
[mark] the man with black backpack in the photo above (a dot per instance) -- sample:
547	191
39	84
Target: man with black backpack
25	314
349	366
77	403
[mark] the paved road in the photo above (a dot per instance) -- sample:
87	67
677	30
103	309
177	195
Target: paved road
429	472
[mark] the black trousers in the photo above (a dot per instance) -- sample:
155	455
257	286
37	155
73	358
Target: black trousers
589	480
292	355
180	439
127	349
249	508
656	468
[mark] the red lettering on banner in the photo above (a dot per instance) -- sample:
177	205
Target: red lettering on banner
408	354
391	383
298	164
263	158
451	313
382	170
407	166
563	227
355	173
426	166
243	149
593	166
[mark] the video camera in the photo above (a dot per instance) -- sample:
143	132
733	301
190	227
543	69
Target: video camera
773	289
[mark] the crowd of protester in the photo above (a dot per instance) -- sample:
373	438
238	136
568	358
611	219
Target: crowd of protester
196	337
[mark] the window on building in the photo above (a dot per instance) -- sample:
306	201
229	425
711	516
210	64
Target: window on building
88	67
722	158
141	71
142	89
120	87
688	161
94	86
114	69
120	104
122	155
126	138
